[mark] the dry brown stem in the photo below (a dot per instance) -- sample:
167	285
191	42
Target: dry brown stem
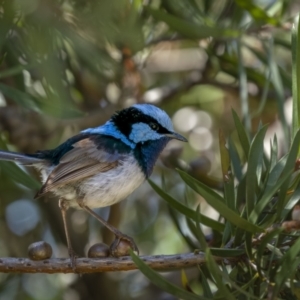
92	265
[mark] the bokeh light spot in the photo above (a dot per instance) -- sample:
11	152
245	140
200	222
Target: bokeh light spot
185	119
201	139
21	216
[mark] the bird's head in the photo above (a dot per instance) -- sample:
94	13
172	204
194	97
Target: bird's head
142	123
144	128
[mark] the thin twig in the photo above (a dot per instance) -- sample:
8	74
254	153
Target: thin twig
92	265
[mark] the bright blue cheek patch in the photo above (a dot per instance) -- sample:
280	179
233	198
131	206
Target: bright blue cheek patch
141	132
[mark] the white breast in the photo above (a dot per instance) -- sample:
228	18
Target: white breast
110	187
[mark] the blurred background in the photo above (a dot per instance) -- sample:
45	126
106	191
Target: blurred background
66	65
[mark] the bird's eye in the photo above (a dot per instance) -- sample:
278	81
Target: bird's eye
154	126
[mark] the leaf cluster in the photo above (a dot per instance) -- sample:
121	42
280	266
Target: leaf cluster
259	193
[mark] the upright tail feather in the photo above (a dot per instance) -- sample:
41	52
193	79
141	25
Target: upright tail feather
24	159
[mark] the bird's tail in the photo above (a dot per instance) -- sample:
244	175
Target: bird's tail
24	159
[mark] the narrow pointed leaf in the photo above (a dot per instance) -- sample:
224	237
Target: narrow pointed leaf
235	160
254	165
216	201
289	166
205	286
19	175
274	152
190	242
275	173
243	137
256	12
296	77
162	282
289	263
291	203
23	99
185	210
229	194
191	30
216	273
267	196
200	235
223	252
243	90
276	80
262	247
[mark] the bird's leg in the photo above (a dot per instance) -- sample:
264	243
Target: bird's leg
119	235
63	205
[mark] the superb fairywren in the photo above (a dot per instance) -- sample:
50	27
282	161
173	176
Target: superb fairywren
103	165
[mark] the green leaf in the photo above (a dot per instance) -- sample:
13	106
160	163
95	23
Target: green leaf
216	201
193	229
205	286
242	289
291	203
21	98
200	235
227	233
235	160
288	168
229	64
243	90
15	70
266	197
190	242
225	159
276	80
274	153
256	12
223	252
275	173
243	137
262	247
296	77
185	210
241	192
217	275
190	30
162	282
265	58
229	194
254	166
18	175
289	263
248	244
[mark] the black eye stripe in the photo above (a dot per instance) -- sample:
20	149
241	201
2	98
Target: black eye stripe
127	117
154	126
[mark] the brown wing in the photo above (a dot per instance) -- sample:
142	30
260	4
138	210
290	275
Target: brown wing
83	161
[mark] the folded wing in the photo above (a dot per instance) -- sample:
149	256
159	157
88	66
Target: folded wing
84	160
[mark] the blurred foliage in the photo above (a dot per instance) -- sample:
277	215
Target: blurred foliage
66	65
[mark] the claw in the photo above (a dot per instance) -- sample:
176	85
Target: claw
121	246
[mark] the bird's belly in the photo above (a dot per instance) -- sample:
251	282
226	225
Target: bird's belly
110	187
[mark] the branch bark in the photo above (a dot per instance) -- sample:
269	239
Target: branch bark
92	265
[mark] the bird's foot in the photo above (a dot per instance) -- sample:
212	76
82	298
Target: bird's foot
121	245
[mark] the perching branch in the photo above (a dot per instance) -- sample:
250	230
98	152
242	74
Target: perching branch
92	265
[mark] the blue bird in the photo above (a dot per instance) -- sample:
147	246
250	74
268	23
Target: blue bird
103	165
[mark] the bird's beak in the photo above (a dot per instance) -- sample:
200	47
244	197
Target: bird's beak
176	136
